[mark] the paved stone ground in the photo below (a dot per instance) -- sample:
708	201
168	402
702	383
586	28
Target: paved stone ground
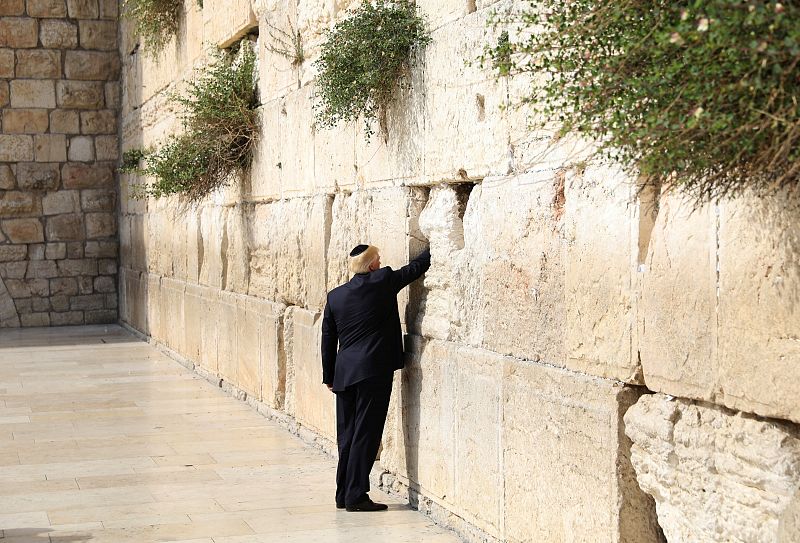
105	439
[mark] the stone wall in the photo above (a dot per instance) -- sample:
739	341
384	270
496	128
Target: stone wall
558	297
59	98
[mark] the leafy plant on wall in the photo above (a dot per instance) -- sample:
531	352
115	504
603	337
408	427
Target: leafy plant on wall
155	21
220	128
701	96
362	60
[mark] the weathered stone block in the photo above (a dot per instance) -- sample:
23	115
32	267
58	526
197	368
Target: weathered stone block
10	253
562	431
227	347
41	269
759	318
12	7
25	121
100	225
87	176
13	270
25	288
99	122
47	8
56	251
23	230
75	249
282	266
81	149
172	314
309	400
67	318
39	63
716	475
104	284
7	63
100	249
65	227
64	121
23	306
33	176
50	147
98	200
5	94
58	34
18	32
91	65
59	303
15	148
74	267
85	285
8	180
31	93
109	9
15	204
113	94
106	147
107	266
79	95
86	301
63	201
101	316
36	251
34	319
40	304
83	9
678	354
223	31
100	35
66	286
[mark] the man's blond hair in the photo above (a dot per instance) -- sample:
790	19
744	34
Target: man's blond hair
360	263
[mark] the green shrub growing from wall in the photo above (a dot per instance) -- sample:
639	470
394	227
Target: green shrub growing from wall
362	60
704	95
220	128
155	21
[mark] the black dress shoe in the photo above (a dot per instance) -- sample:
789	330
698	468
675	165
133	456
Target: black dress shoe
339	505
367	505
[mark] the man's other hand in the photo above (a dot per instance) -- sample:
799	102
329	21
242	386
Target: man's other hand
330	387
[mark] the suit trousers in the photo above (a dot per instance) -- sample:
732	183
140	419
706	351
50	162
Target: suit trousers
360	417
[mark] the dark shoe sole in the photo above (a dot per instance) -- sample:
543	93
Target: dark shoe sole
367	507
340	506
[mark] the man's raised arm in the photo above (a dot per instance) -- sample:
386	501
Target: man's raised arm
412	271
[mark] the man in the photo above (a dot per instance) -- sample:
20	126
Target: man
362	316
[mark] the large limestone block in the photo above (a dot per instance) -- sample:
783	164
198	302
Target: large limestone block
133	299
496	277
297	146
225	21
288	251
677	321
419	439
160	224
227	346
600	268
466	132
566	460
266	168
236	249
193	322
154	301
379	217
759	317
278	71
212	232
716	475
444	430
312	404
261	363
172	314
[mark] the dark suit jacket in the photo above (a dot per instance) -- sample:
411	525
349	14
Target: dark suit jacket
362	317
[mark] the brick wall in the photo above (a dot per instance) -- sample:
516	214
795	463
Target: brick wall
59	96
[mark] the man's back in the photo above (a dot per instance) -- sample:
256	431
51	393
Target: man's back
362	316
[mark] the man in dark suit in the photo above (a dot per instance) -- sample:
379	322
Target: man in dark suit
362	316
